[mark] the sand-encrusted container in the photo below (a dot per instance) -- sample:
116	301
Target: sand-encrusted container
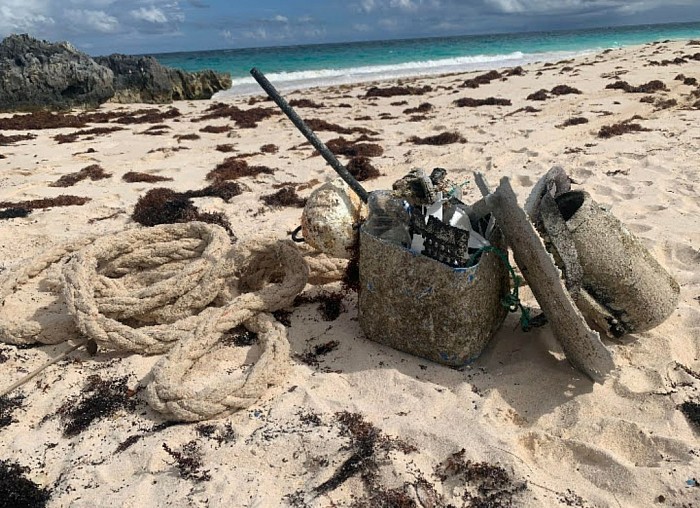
618	271
426	308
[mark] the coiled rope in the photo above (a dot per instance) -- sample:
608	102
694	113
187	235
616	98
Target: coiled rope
175	289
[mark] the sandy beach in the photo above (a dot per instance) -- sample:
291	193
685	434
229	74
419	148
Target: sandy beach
518	427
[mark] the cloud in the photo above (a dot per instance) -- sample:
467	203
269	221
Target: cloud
151	14
540	7
280	19
98	21
367	6
23	15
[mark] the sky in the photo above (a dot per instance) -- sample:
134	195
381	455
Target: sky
101	27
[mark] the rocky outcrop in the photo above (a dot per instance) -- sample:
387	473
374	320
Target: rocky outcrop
143	79
38	74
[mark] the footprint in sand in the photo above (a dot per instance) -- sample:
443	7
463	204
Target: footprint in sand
681	255
638	228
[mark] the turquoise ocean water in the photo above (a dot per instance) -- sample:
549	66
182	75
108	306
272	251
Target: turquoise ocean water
294	67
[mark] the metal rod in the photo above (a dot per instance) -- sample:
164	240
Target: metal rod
309	134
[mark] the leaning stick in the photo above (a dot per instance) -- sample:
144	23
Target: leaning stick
310	135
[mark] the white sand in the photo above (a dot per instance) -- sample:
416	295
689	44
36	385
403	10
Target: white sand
521	405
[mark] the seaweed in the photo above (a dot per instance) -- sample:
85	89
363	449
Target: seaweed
18	491
396	103
189	462
269	148
135	176
691	410
486	485
690	81
8	405
165	206
330	304
286	196
34	204
305	103
482	79
215	129
650	87
283	316
539	95
243	118
393	91
40	120
317	124
515	71
225	148
366	441
311	357
150	115
14	213
186	137
341	146
418	118
95	131
475	103
223	189
156	130
94	172
576	120
423	108
239	336
233	168
618	129
445	138
564	90
362	169
9	140
100	399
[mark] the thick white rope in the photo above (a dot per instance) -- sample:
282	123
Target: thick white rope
176	288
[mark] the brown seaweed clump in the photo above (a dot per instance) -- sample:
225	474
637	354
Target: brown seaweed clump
34	204
96	131
618	129
165	206
40	120
189	462
18	491
362	169
148	115
305	103
233	168
565	90
94	172
243	118
483	79
223	189
286	196
156	130
423	108
317	124
485	484
341	146
393	91
269	148
99	399
186	137
225	148
576	120
691	410
14	213
9	140
135	176
475	103
445	138
215	129
539	95
8	405
650	87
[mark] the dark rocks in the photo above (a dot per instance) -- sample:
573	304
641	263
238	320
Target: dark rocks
38	74
143	79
